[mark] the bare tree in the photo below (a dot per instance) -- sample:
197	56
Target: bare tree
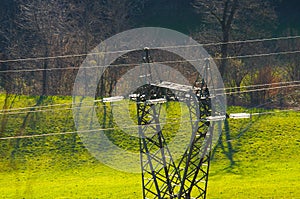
234	19
230	20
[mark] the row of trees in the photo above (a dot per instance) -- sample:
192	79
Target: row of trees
50	28
233	20
54	28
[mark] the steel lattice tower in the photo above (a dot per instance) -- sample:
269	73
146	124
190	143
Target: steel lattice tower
162	176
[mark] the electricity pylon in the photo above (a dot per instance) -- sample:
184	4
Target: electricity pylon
162	175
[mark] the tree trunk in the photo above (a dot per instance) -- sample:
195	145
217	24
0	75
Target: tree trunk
224	52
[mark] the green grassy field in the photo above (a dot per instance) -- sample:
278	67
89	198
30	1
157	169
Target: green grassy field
260	160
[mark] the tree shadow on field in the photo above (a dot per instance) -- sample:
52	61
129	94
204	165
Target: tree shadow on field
225	146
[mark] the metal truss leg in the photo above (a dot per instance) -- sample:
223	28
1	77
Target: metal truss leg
160	175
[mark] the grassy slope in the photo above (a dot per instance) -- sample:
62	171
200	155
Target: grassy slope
266	162
89	181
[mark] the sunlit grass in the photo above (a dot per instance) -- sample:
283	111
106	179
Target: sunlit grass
88	181
265	159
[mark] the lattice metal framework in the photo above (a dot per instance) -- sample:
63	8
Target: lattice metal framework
164	177
159	171
195	161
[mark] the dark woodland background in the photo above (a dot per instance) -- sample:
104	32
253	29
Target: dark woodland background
49	28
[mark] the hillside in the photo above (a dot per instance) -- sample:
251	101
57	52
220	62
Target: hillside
259	160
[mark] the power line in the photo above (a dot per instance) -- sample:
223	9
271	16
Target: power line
33	108
64	56
61	109
260	55
43	110
12	111
242	130
262	89
113	128
235	42
86	131
50	105
158	47
162	62
260	85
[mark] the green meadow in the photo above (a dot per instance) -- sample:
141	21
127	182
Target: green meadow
256	158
